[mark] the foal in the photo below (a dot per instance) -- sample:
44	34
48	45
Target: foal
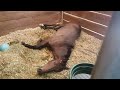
61	45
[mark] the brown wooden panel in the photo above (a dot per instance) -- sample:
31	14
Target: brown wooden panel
92	16
90	33
86	24
106	12
13	25
14	15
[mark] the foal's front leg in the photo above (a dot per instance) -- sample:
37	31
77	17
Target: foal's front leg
57	65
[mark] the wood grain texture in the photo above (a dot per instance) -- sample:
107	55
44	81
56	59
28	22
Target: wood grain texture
14	15
106	12
20	20
92	16
89	32
95	27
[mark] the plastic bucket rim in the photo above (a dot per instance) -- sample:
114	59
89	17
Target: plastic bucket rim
73	69
77	65
77	68
70	72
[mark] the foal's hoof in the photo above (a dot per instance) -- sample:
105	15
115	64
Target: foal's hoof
23	43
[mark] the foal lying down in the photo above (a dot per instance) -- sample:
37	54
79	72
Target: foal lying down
61	45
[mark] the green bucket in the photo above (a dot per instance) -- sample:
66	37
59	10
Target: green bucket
79	69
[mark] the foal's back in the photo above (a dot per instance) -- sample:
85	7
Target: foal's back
67	34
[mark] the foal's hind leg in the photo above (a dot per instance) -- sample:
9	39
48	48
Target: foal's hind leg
40	45
50	26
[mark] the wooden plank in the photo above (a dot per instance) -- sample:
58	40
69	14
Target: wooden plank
14	15
106	12
93	34
89	32
29	22
95	27
92	16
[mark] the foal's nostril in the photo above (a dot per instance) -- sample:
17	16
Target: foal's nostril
39	71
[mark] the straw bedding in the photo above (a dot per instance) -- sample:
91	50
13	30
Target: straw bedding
20	62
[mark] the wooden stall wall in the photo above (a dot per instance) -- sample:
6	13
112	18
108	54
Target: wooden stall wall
15	20
94	23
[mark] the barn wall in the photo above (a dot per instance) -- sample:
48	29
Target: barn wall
14	20
94	23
